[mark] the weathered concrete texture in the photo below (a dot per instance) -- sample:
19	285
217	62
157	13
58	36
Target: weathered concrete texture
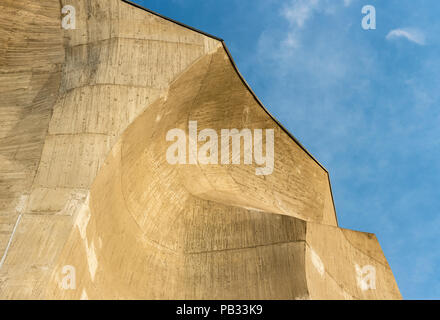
84	179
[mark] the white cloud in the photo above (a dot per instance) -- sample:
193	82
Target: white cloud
299	11
291	41
412	35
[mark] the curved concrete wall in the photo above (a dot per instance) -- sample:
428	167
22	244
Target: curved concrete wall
103	198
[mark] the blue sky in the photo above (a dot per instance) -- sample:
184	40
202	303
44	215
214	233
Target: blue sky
365	103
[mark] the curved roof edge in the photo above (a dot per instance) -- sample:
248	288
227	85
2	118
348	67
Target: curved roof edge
236	69
247	86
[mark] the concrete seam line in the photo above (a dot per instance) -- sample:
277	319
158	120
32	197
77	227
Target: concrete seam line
10	241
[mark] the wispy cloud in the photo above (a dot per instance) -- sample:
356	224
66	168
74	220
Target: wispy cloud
299	11
412	35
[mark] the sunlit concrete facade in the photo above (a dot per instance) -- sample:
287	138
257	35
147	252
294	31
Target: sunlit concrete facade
85	183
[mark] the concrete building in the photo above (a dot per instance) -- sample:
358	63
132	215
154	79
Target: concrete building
91	208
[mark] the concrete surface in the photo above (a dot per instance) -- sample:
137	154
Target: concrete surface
84	180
